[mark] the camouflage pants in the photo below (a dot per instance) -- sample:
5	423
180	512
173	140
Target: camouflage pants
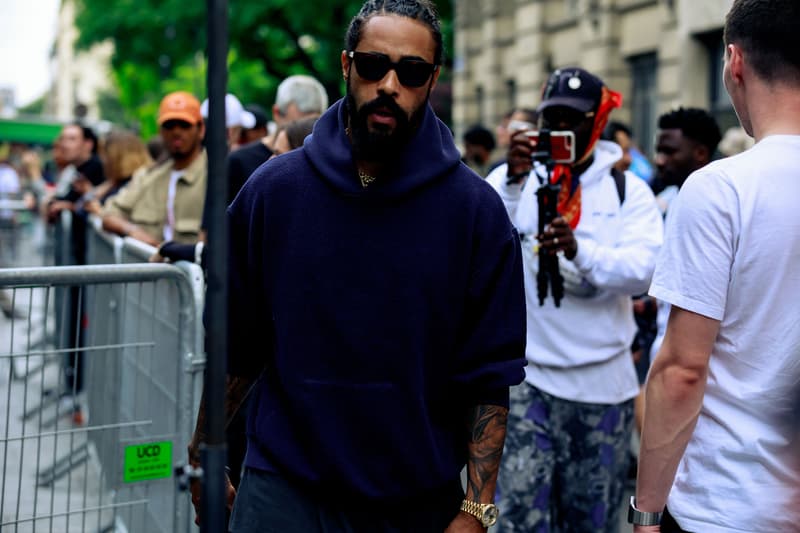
564	464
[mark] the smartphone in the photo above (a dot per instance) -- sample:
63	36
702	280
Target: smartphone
562	146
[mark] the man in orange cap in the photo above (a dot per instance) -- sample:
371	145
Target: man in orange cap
166	203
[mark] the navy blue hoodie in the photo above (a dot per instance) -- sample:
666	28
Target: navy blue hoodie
380	315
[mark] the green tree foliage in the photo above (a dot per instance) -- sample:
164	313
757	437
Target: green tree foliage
160	44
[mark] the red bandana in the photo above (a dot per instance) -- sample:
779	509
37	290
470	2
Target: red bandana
569	199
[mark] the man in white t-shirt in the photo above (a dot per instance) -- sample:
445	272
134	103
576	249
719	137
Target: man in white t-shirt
716	448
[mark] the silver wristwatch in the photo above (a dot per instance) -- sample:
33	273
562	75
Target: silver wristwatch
641	518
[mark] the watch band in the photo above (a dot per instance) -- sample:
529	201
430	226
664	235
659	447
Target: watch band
486	513
642	518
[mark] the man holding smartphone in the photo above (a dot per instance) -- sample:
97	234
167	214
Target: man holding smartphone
570	422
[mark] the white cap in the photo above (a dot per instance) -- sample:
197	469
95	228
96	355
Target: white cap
235	113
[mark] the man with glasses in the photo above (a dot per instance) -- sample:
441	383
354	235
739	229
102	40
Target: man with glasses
377	304
570	422
166	203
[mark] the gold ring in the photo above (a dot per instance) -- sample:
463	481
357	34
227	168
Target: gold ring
555	240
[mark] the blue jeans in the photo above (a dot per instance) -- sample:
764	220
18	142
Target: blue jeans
267	502
564	464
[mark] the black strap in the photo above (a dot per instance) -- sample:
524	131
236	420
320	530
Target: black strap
619	181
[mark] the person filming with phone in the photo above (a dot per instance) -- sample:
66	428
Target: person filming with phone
570	421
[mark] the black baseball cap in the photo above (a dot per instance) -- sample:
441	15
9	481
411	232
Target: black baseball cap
259	113
572	87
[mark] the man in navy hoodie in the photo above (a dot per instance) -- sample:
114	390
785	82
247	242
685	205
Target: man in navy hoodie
376	308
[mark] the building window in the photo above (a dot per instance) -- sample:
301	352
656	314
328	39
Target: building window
479	104
643	100
511	94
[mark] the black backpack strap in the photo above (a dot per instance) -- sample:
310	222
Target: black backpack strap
619	181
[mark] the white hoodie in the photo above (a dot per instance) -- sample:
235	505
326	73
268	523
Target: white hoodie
581	351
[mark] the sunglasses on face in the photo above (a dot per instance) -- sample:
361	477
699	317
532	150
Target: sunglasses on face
571	118
373	66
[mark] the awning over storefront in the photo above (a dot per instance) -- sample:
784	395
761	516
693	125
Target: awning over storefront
29	131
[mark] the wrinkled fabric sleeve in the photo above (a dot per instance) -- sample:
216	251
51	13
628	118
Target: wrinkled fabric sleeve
492	357
627	267
694	267
510	193
249	326
122	203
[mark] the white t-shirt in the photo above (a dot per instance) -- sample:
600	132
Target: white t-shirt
732	253
169	226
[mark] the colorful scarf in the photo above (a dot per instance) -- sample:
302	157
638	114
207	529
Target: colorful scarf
569	198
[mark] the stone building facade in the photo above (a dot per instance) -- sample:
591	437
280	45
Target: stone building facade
79	77
659	54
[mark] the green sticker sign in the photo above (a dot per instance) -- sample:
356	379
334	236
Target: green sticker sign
151	460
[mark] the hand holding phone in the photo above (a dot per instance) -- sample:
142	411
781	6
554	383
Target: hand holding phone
559	146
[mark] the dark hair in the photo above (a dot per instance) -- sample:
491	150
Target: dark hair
695	124
421	10
480	136
298	130
88	134
531	115
766	30
614	127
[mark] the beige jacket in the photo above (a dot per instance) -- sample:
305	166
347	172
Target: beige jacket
144	200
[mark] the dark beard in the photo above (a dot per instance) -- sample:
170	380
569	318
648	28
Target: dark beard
379	145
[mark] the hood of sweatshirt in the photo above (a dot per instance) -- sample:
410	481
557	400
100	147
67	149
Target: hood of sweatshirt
429	154
606	153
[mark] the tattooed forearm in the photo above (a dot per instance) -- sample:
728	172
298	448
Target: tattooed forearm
487	425
236	390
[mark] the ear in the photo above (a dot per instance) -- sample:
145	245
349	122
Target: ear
435	77
345	64
735	63
276	113
701	155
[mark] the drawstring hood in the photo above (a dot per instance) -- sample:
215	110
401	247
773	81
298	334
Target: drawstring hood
429	155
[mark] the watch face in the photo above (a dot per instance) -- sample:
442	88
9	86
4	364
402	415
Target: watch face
490	514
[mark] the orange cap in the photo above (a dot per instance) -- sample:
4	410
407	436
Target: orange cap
179	105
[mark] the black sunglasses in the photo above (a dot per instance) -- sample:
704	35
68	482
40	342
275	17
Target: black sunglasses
373	66
571	118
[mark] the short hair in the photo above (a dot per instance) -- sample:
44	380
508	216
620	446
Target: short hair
305	92
87	133
531	115
421	10
695	124
766	30
614	127
480	136
298	130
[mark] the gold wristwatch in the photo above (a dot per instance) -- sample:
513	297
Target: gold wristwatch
486	513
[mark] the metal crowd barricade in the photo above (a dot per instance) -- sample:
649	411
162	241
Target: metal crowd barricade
143	359
10	230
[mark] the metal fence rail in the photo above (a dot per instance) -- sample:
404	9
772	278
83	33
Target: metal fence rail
141	354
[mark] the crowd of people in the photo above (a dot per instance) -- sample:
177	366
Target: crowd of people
404	312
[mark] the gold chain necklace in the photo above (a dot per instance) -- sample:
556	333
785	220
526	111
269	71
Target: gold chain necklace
366	179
